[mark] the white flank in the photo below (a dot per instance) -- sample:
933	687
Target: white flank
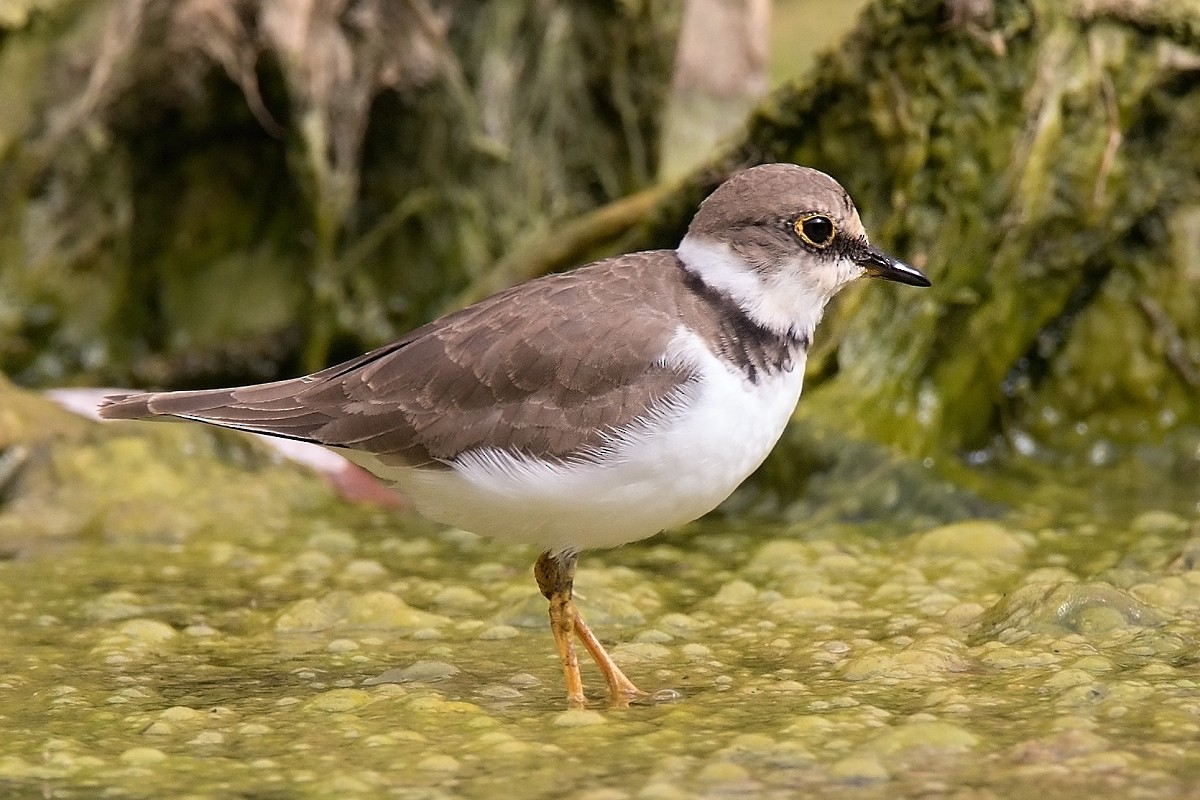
658	474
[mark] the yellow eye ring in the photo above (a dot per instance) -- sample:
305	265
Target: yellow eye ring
816	230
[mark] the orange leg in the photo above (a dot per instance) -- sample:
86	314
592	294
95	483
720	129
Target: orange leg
620	688
555	576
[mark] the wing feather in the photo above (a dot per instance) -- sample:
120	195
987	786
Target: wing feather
547	369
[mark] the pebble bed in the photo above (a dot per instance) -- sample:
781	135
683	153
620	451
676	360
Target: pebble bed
370	655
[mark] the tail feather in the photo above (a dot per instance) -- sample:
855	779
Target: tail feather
126	406
259	409
145	405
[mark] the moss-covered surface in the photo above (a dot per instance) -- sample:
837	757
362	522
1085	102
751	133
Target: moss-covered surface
184	616
1038	161
202	192
1035	157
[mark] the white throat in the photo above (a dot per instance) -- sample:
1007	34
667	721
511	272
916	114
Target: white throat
786	300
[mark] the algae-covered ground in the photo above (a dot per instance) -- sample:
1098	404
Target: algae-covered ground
257	637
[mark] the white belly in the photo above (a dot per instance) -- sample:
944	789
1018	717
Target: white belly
660	476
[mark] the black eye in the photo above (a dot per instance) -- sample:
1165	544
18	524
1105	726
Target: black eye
816	229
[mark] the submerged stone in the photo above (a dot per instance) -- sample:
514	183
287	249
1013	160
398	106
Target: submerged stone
579	718
347	611
638	652
340	700
498	632
183	715
147	631
420	672
120	604
859	769
716	773
143	756
1158	523
735	593
1085	608
913	737
461	598
439	762
975	539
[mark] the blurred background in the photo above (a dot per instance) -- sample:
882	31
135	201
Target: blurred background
203	191
221	191
968	570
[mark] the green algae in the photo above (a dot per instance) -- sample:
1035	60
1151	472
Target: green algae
268	639
898	679
153	155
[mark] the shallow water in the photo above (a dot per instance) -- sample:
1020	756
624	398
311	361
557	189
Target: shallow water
347	653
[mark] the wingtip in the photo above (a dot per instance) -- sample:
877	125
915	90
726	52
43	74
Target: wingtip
124	406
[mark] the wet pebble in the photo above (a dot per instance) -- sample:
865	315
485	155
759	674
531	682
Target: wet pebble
682	625
637	652
716	773
945	737
313	562
661	790
339	700
344	610
603	793
524	680
735	593
335	542
386	611
1158	523
432	704
907	663
362	571
439	763
859	769
419	672
148	632
207	739
973	539
1067	678
1000	656
1090	609
143	756
579	718
783	557
426	634
345	786
1094	664
17	768
200	629
459	598
803	609
113	606
1060	746
183	715
497	632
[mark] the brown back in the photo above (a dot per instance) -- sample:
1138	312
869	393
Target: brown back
547	369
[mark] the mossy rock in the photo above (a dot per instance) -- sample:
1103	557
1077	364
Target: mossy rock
1037	159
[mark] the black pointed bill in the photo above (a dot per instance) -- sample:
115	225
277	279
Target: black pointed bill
879	264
